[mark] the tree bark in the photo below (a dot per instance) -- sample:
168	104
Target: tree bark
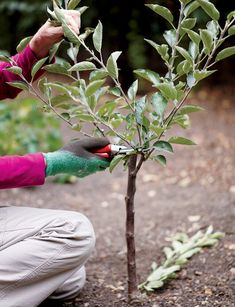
130	227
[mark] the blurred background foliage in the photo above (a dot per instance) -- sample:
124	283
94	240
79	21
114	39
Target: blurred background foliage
24	128
125	27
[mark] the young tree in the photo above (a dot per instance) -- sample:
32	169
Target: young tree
146	123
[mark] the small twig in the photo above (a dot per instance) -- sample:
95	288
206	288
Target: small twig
176	41
71	46
142	159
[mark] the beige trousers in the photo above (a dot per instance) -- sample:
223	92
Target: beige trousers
42	254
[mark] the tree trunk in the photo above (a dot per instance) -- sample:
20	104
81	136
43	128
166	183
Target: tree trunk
130	227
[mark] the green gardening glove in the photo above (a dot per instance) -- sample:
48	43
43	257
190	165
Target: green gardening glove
76	158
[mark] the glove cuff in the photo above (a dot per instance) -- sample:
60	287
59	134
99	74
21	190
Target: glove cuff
50	158
57	162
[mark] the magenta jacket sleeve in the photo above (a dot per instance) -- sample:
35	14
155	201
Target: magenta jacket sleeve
28	170
26	59
22	171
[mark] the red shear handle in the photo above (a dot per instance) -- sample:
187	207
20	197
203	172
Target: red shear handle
103	152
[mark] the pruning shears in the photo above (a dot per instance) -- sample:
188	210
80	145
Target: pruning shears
112	150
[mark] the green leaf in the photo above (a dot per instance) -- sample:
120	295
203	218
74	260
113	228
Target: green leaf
184	67
98	37
19	84
82	9
68	32
115	161
148	75
76	127
190	253
93	87
168	252
37	66
15	70
161	49
184	53
231	15
162	11
188	23
160	159
210	9
207	39
58	86
227	52
52	17
139	109
217	235
193	36
65	115
23	43
168	90
98	74
57	3
116	122
85	117
155	284
107	108
170	37
83	66
191	81
163	146
159	104
231	31
41	85
112	64
132	91
181	261
180	140
181	120
5	58
59	99
202	74
193	50
191	8
189	109
53	51
115	91
57	68
73	4
156	129
213	27
187	67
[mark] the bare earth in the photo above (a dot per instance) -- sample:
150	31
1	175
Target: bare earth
196	189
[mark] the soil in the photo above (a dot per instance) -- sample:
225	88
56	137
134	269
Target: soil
195	190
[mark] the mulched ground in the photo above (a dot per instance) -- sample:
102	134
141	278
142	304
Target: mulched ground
196	189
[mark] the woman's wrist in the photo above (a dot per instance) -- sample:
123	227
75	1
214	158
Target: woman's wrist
38	48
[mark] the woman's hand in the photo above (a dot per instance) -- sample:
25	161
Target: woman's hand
48	34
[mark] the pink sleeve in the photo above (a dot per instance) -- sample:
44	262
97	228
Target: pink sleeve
26	59
22	171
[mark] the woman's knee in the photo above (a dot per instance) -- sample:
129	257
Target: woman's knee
83	232
71	229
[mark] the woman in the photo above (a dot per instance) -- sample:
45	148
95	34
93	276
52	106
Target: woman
43	252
